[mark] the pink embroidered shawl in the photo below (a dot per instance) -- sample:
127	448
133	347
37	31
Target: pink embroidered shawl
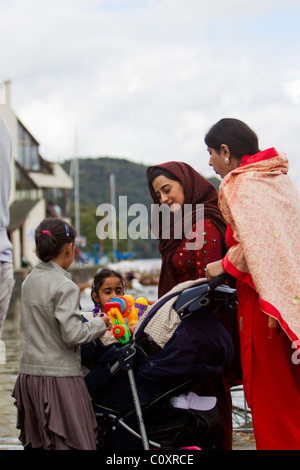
262	206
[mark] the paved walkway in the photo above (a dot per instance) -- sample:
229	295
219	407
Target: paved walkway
243	440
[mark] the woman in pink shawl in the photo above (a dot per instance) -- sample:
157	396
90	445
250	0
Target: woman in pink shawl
262	209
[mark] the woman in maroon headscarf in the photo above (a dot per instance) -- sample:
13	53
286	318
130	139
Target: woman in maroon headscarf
177	184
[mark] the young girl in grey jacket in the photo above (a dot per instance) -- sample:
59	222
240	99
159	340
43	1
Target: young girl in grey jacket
54	407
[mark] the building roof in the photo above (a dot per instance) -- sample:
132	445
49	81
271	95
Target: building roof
18	213
58	179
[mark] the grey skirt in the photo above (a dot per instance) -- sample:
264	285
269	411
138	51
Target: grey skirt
54	413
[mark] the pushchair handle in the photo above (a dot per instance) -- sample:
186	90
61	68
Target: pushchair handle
196	297
216	282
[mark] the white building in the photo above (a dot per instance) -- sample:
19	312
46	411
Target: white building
39	188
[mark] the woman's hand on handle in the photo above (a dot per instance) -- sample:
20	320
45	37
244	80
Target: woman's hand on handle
214	270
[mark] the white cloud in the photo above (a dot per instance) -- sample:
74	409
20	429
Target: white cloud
146	79
292	90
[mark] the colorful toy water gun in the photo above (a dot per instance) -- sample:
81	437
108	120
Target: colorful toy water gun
121	329
123	314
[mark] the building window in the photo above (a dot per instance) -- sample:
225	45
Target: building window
25	188
28	150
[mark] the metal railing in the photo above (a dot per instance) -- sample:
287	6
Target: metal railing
241	414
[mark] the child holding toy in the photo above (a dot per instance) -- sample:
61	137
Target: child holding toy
107	284
54	407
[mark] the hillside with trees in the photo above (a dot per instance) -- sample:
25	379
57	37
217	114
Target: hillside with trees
94	190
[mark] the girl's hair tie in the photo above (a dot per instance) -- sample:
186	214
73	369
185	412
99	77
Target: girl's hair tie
46	232
67	230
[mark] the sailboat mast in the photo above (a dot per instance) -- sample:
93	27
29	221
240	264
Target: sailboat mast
76	188
114	222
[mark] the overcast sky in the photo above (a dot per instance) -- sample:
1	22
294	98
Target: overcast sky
145	79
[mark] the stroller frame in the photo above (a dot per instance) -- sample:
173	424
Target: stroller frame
188	301
125	362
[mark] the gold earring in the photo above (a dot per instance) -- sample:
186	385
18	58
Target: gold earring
226	160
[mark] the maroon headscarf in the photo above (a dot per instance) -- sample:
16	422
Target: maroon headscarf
197	190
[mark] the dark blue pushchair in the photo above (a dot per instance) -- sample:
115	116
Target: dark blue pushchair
131	385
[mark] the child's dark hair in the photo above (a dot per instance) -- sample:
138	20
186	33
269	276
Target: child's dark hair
51	236
100	278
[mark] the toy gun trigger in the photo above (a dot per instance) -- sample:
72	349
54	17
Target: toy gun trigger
122	333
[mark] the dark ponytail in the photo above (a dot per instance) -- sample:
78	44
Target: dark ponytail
240	139
51	236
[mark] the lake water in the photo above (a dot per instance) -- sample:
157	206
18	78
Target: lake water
9	371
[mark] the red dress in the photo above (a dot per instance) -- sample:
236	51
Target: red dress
188	265
271	378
